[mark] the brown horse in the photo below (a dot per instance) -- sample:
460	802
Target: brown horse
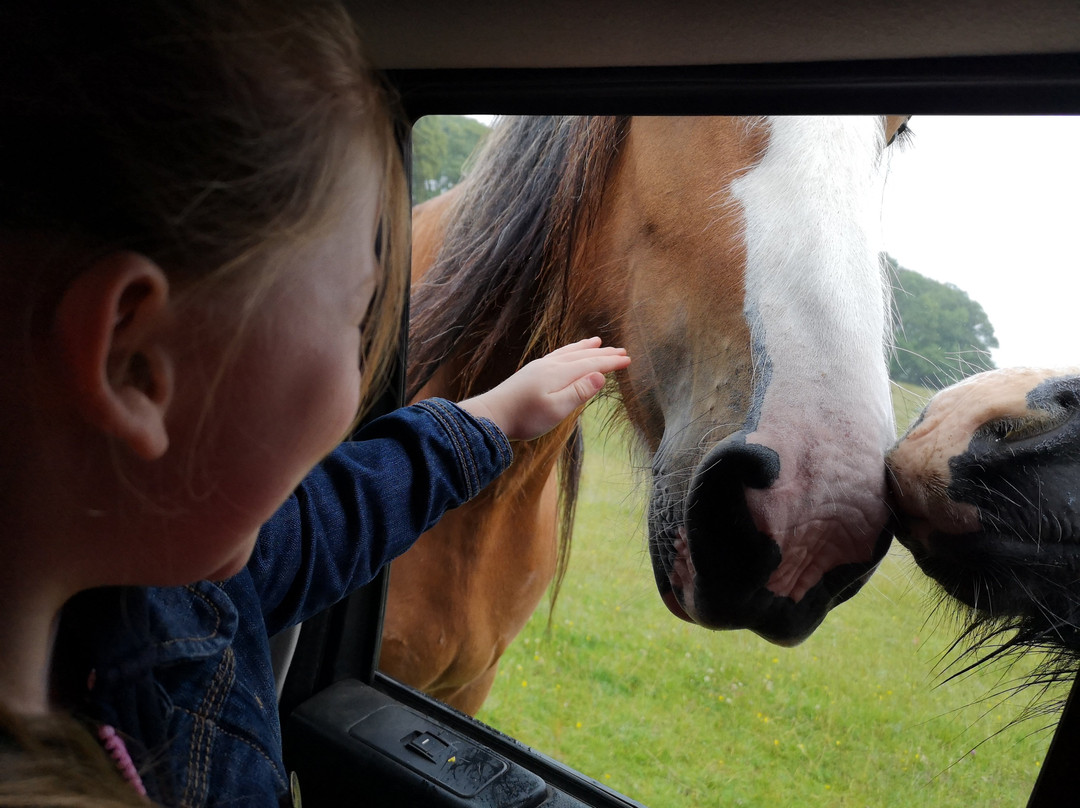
732	257
987	491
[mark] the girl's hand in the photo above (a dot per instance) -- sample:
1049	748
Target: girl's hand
539	396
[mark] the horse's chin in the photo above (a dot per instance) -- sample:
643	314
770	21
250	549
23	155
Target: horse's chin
780	620
1004	619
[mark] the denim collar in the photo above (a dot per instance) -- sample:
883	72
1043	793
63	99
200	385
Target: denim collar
160	626
191	622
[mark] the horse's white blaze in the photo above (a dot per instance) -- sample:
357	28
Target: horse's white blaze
817	307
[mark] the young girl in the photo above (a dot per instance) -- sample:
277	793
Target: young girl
191	193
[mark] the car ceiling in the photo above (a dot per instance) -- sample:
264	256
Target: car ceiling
444	34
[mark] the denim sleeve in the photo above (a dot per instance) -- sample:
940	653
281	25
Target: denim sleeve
367	502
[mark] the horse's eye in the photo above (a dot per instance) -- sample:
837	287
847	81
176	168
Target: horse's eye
902	136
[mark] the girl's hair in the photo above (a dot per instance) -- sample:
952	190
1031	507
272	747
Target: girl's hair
54	761
206	135
203	134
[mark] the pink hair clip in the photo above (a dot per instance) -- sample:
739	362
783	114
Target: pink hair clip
117	750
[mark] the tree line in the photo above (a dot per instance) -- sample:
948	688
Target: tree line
441	145
940	335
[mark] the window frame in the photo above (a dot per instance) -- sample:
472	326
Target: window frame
342	644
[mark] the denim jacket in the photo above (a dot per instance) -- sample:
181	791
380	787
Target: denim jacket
184	673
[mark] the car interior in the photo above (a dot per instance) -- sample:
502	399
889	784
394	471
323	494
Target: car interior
352	734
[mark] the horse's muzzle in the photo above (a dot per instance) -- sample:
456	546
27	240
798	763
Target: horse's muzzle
721	570
986	494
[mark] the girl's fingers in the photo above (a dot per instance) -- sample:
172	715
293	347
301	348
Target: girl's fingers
604	363
588	386
572	359
568	374
589	342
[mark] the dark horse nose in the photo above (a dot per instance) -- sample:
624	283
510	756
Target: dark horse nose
722	536
736	559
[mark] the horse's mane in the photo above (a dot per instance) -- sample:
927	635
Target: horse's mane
500	274
499	280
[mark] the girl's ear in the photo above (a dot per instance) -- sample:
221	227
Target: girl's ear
110	331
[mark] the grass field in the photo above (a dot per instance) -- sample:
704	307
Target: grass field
673	715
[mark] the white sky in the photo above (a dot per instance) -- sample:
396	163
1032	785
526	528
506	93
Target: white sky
991	204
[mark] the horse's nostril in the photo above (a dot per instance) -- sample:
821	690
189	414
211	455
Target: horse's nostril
734	460
725	540
1034	424
1006	429
1066	399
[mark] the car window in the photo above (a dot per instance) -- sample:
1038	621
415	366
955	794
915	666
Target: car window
876	706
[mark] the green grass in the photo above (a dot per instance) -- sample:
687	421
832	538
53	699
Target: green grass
674	715
908	401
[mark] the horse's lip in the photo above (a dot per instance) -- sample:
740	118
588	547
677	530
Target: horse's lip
1005	577
974	567
671	600
682	572
914	535
984	548
680	578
